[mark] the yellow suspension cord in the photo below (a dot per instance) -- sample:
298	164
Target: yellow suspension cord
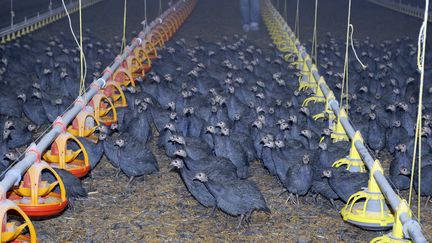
297	24
123	45
421	45
82	79
345	72
314	35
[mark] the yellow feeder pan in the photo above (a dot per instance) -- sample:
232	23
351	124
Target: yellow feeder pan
368	209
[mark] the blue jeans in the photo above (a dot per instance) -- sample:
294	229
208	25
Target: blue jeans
250	11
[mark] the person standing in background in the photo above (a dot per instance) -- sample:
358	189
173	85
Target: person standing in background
250	11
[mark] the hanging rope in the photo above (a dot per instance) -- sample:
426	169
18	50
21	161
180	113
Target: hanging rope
297	22
352	47
83	67
82	79
421	45
314	35
160	7
345	72
286	10
123	44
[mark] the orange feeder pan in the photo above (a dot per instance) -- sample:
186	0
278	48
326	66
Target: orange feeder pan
61	157
115	92
80	127
103	107
123	77
135	67
36	197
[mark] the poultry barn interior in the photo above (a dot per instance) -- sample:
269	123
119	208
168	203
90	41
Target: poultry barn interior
228	120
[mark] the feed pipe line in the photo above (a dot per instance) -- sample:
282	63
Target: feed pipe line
34	151
411	227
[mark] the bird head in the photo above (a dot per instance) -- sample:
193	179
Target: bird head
173	116
288	104
372	116
305	110
404	171
258	124
265	139
31	127
22	96
280	121
391	108
364	89
279	143
181	153
58	101
326	132
225	131
11	156
201	177
401	148
426	131
171	106
8	124
306	133
221	125
269	144
131	89
6	134
63	75
292	119
177	163
114	126
306	159
284	126
323	146
102	136
170	126
327	173
210	129
119	142
237	117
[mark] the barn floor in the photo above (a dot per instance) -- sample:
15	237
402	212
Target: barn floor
159	208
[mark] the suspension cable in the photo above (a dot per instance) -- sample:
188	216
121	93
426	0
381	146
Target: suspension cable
160	7
286	10
123	44
421	45
314	35
345	71
82	79
297	22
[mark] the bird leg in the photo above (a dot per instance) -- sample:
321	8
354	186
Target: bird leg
248	217
118	172
297	199
428	199
240	222
315	198
130	181
333	204
213	213
282	192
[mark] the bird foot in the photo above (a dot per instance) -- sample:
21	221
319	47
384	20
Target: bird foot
282	192
428	199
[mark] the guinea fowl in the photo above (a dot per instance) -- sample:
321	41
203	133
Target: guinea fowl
400	167
95	151
197	189
19	133
230	149
134	159
376	134
235	197
299	178
194	147
34	110
321	186
73	185
345	183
